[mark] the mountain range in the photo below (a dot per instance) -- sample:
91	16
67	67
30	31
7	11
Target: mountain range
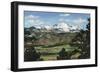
58	28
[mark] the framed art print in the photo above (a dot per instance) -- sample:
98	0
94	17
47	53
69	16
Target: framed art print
52	36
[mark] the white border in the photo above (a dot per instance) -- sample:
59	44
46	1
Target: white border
22	64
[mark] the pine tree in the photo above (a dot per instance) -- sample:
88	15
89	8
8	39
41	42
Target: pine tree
30	54
63	55
82	41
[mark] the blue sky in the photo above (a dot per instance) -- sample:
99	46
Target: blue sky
34	18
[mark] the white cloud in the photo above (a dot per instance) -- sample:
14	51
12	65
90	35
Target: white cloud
32	20
68	20
61	19
31	17
77	21
80	21
39	22
64	15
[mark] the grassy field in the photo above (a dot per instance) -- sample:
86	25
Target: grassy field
51	53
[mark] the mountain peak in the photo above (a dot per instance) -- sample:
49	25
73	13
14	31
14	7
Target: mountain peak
62	26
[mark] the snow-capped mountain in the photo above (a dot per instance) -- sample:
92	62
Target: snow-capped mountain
43	27
63	27
58	28
47	27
